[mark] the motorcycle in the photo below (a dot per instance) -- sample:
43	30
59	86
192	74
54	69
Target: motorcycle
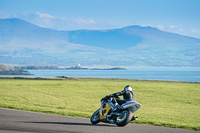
121	118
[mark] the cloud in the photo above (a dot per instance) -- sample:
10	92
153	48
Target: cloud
176	28
63	23
195	30
43	15
50	21
60	23
4	15
161	27
81	21
171	28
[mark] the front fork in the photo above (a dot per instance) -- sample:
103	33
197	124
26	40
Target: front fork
112	105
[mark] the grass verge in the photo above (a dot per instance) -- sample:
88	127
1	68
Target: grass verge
163	103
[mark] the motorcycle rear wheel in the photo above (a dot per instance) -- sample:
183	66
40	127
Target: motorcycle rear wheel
124	118
95	118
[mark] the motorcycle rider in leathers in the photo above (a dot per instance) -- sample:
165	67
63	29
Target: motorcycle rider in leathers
128	95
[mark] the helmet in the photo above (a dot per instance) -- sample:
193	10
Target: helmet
128	88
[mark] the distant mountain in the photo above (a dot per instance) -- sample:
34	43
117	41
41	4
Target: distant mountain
17	34
111	39
127	37
22	43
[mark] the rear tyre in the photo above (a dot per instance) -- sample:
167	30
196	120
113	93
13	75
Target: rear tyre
95	118
124	118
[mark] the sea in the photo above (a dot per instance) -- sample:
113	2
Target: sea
166	74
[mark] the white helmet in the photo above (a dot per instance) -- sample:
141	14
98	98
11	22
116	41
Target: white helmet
128	88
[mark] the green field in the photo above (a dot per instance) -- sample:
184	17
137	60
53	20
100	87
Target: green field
163	103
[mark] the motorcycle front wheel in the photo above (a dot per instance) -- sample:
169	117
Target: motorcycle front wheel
95	118
124	118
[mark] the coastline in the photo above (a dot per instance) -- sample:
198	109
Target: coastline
79	78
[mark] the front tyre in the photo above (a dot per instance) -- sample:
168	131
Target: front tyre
124	118
95	118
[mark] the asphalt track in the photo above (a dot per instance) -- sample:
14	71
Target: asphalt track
14	121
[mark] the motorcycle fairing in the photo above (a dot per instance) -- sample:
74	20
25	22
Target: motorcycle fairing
104	109
133	106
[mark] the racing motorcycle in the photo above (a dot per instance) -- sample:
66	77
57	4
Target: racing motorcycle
121	118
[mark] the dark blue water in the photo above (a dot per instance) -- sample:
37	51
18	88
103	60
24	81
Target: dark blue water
171	74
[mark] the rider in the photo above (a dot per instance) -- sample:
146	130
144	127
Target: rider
128	95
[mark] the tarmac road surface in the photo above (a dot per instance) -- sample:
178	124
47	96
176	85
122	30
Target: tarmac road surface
14	121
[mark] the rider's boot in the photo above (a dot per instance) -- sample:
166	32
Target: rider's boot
134	118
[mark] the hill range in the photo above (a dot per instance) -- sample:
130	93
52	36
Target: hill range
22	43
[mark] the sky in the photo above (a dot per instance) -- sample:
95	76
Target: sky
176	16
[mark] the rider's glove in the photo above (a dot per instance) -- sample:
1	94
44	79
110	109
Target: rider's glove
107	97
